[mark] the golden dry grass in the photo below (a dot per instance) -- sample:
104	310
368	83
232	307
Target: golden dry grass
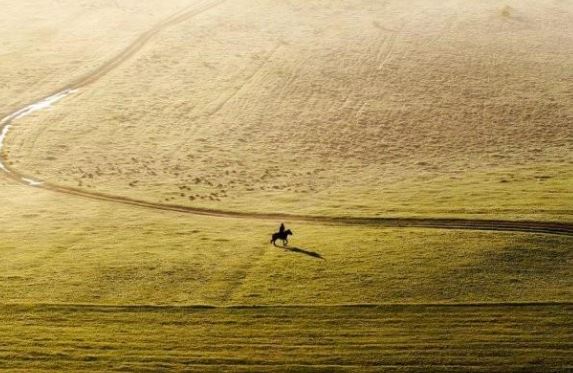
318	107
45	44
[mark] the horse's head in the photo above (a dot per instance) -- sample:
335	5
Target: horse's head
288	232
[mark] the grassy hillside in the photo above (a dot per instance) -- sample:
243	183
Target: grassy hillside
57	249
45	44
92	252
364	108
356	108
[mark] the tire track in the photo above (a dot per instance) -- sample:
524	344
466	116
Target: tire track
558	228
131	49
141	41
102	307
524	226
236	90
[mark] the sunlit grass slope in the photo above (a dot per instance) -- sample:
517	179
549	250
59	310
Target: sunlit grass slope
63	249
45	44
372	108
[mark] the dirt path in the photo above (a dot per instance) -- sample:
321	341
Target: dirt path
175	307
438	223
137	45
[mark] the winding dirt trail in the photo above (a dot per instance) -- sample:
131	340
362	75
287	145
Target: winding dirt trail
557	228
130	50
182	307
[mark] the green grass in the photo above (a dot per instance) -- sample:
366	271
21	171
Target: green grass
296	339
104	253
57	249
416	112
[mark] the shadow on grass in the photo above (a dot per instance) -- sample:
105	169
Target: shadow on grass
303	251
508	271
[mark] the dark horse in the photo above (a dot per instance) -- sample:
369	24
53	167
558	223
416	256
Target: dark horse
281	236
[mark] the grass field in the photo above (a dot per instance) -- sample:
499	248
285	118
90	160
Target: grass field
295	339
371	107
115	255
355	108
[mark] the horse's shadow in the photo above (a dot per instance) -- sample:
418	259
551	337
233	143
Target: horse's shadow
298	250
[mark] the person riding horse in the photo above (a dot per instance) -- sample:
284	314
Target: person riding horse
282	235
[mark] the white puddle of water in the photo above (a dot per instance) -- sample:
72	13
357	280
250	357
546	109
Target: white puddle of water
31	182
5	130
6	123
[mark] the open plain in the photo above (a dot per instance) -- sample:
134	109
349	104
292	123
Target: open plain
421	151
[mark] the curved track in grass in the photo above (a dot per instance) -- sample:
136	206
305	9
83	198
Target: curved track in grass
83	81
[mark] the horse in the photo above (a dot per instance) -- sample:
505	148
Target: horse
281	236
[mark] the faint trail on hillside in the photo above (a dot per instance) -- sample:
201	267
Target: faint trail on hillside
175	307
557	228
235	90
565	229
133	48
140	42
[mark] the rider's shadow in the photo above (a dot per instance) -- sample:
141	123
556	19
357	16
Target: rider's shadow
298	250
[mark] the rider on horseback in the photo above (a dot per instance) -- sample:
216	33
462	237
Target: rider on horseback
282	235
